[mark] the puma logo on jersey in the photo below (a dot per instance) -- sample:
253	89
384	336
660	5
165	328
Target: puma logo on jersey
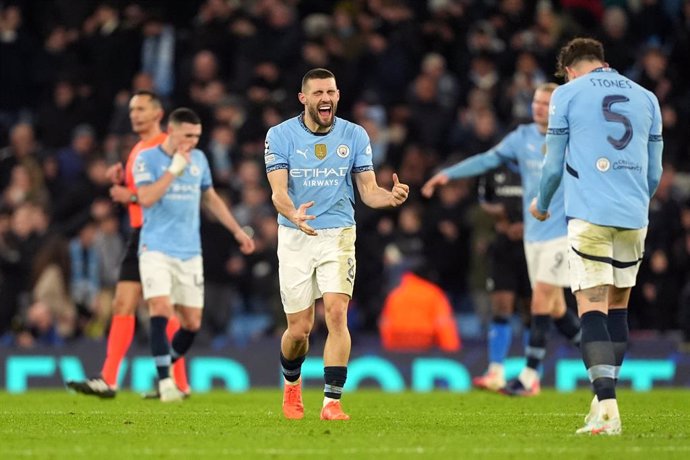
302	152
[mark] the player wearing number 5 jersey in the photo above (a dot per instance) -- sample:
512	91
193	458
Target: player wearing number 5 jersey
605	132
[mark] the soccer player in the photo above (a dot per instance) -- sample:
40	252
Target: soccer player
172	180
611	128
145	114
310	162
545	249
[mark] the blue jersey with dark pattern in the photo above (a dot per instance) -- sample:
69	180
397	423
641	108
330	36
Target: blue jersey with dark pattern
320	167
171	225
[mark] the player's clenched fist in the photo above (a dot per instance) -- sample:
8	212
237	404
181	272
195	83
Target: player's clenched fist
399	192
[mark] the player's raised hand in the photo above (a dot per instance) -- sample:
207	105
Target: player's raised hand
301	217
436	181
399	192
114	173
540	216
245	241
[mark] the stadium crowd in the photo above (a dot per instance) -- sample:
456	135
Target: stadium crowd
431	81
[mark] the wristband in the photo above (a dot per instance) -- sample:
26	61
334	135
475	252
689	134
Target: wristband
177	165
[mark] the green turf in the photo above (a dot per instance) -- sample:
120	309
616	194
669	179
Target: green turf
56	424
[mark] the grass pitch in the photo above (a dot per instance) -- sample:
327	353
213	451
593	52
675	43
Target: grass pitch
57	424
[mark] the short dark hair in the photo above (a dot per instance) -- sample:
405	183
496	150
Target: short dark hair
576	50
184	115
316	74
155	99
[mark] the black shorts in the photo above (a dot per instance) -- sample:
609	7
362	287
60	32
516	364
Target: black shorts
129	266
508	267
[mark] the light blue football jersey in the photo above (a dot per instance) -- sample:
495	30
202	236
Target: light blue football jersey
525	145
171	225
320	167
608	121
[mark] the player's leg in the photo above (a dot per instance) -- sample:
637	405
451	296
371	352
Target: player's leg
335	276
502	284
128	294
336	354
294	346
179	369
158	275
544	297
591	265
500	336
297	292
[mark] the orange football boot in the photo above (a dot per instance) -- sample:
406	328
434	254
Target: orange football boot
292	401
333	411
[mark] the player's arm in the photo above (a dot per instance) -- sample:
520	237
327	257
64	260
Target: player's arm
552	171
655	167
376	197
278	179
470	167
217	206
150	193
655	147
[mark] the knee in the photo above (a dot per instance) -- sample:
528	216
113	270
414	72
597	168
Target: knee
122	307
299	332
192	324
336	317
160	307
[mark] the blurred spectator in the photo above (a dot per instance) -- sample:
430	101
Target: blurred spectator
50	287
417	317
616	38
85	279
158	54
22	149
18	245
58	117
16	75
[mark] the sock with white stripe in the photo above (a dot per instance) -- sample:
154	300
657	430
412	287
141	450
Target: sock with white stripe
618	330
335	377
536	349
292	368
598	354
160	348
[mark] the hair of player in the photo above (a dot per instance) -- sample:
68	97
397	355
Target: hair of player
316	74
184	115
548	87
576	50
155	99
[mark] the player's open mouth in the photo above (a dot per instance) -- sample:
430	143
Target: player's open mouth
325	110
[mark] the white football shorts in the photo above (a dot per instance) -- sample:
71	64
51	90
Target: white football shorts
312	265
603	255
547	262
182	280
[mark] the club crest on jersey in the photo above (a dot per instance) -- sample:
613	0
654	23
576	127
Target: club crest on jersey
343	151
194	170
603	164
320	150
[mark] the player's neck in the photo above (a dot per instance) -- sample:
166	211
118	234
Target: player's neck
314	127
148	135
167	147
585	67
